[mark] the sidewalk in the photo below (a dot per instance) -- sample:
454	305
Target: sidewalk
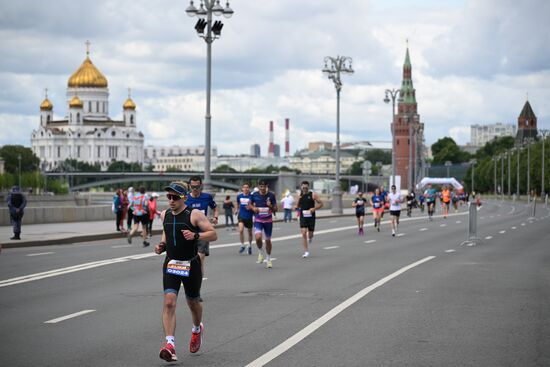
67	233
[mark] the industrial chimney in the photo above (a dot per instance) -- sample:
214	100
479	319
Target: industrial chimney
271	150
287	138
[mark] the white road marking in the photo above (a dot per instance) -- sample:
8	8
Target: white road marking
423	229
458	221
449	251
63	318
272	259
370	241
482	218
121	246
41	253
443	225
400	234
308	330
333	221
522	224
204	278
498	215
514	227
502	232
488	237
330	247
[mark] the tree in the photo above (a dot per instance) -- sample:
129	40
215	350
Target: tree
495	146
121	166
446	149
224	168
378	155
10	154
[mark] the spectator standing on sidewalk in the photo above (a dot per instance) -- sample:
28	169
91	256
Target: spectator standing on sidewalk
228	207
139	206
16	204
125	204
152	212
130	197
117	209
288	204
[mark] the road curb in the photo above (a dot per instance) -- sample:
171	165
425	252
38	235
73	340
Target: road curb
112	235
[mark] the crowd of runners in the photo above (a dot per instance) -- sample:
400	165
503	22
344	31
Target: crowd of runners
188	229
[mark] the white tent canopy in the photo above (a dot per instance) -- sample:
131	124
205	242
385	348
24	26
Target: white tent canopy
439	181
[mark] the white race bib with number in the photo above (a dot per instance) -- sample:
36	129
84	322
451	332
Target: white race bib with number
244	201
263	212
178	267
306	213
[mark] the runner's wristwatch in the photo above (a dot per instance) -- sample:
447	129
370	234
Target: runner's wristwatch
197	236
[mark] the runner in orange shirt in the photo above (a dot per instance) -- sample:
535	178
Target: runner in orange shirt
445	200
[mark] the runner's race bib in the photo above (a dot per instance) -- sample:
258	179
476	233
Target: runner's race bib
244	201
359	202
263	212
307	213
376	205
178	267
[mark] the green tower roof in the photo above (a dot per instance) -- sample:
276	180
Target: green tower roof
407	90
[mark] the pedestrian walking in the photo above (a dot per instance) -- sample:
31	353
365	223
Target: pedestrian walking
152	213
117	208
16	203
183	227
139	206
288	202
228	208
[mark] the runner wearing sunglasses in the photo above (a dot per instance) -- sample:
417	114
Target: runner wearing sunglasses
183	227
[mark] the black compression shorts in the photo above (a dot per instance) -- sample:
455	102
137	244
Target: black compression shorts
191	284
308	223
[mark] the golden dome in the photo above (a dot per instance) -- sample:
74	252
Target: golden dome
76	102
129	104
87	75
46	105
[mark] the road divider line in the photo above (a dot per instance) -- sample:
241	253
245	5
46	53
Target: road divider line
41	253
121	246
330	247
458	221
400	234
443	225
450	250
73	315
514	227
488	237
370	241
308	330
501	232
423	229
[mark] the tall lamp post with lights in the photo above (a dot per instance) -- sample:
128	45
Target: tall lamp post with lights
413	130
544	134
528	142
393	94
334	66
205	13
518	150
473	165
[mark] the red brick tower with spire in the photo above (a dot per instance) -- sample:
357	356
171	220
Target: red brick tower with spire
408	130
527	123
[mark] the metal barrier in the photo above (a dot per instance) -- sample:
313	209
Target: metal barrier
472	225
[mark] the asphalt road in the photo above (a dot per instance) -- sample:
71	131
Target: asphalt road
420	299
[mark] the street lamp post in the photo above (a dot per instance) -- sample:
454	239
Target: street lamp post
473	164
518	148
528	142
495	174
509	154
448	164
213	32
544	134
338	65
19	159
502	156
413	130
393	93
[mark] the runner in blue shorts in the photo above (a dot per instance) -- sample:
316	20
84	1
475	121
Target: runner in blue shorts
264	204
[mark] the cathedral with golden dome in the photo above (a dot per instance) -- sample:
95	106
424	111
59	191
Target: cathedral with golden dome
87	133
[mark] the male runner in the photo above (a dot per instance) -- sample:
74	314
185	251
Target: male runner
411	201
245	217
377	208
430	195
308	203
359	205
264	205
201	201
445	200
385	204
395	209
140	209
183	227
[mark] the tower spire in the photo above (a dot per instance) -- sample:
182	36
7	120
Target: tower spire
46	93
87	43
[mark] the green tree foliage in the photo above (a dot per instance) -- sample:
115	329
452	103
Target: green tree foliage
446	149
121	166
378	155
495	146
224	168
10	154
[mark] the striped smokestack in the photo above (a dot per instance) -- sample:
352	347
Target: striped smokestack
271	151
287	137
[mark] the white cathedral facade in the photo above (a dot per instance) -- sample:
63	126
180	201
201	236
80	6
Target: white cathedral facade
87	133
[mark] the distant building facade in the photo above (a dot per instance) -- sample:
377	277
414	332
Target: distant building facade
482	134
255	150
527	123
321	161
156	152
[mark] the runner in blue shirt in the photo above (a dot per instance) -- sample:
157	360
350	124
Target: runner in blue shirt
244	216
201	201
377	203
386	204
430	194
264	204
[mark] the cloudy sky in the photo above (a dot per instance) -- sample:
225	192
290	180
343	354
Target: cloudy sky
473	61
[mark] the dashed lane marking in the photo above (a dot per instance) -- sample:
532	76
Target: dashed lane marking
501	232
311	328
443	225
522	224
330	247
370	241
458	221
423	229
63	318
514	227
400	234
488	237
333	221
204	278
449	251
41	253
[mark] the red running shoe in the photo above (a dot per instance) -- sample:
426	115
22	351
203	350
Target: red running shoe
168	353
196	340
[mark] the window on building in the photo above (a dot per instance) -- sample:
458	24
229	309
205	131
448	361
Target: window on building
98	152
58	152
127	152
78	151
78	117
97	106
131	119
113	152
89	106
397	141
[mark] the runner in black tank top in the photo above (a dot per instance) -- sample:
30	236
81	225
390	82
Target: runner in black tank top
183	227
308	203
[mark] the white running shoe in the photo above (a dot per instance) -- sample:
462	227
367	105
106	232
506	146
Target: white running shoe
306	254
260	258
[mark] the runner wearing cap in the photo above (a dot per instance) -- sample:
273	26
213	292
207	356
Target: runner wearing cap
359	204
394	199
183	227
244	217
